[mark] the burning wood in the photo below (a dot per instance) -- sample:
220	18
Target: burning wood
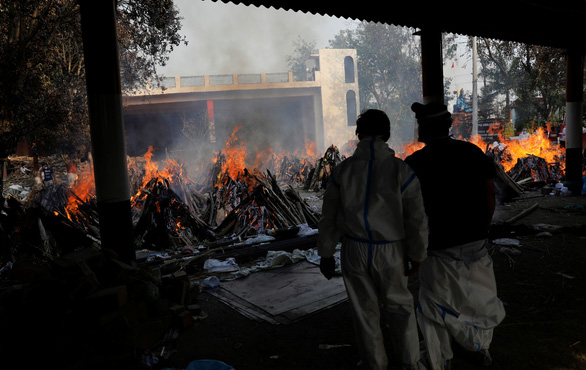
164	221
171	212
529	167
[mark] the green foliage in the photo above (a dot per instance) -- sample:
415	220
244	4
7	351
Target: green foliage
389	71
42	81
531	78
297	61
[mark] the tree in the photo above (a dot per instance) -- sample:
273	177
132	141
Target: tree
530	77
298	61
42	80
389	71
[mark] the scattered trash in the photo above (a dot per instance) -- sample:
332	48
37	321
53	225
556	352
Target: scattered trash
306	230
214	265
211	282
544	234
506	241
513	251
258	239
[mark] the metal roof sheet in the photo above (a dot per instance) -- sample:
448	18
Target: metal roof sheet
560	23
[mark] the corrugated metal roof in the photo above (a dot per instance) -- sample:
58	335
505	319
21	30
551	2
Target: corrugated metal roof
559	23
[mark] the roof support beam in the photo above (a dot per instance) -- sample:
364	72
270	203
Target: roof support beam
98	24
432	74
574	117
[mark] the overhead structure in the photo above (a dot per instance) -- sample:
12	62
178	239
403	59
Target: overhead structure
558	24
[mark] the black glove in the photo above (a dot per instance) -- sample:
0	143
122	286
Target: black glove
411	266
327	266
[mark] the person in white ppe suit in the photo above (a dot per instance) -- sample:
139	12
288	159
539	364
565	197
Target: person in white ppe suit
373	205
458	304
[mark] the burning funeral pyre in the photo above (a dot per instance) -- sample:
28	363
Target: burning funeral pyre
183	219
174	209
50	236
224	201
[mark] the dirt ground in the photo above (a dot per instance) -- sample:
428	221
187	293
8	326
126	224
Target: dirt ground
543	290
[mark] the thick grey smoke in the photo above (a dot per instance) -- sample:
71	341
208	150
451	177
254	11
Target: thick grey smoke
228	38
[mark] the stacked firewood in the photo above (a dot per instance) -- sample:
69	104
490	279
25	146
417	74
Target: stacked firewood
293	170
266	207
537	169
174	210
529	170
164	220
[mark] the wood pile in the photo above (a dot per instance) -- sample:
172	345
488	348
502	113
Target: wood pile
176	211
537	169
529	171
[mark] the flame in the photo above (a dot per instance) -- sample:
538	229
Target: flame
152	168
536	144
83	189
235	153
310	149
408	149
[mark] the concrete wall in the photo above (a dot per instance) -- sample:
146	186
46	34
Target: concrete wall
335	91
322	104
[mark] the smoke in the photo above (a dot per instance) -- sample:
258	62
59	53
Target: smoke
231	39
228	38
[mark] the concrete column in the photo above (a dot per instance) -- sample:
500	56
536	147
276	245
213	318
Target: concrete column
574	114
432	72
211	121
98	24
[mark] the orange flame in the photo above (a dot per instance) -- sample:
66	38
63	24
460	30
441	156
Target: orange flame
235	155
83	189
536	144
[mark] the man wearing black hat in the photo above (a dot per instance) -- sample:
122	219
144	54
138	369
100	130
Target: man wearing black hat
458	307
373	205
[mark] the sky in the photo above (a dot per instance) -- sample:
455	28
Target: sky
228	38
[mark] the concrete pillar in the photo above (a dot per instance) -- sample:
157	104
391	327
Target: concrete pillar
98	24
574	114
432	71
211	121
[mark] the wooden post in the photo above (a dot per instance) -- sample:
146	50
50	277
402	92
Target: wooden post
98	24
574	114
432	73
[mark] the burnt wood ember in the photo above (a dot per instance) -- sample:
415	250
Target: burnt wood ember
266	207
537	169
531	167
165	221
173	210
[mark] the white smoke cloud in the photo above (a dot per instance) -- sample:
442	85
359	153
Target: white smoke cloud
228	38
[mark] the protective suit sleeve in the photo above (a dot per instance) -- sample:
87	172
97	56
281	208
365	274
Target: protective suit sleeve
329	233
414	218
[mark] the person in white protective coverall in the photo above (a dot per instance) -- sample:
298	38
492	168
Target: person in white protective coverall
458	304
373	205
